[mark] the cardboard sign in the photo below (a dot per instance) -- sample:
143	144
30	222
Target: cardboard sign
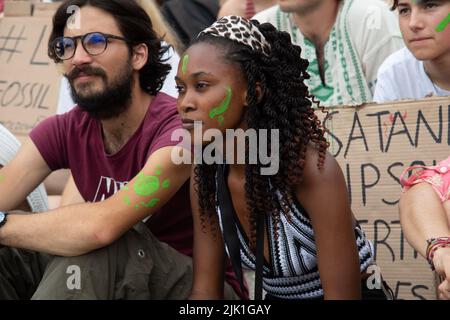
373	145
29	80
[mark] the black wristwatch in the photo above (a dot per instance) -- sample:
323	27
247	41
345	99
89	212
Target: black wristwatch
3	216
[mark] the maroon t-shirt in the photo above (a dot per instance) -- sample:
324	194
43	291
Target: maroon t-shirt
74	140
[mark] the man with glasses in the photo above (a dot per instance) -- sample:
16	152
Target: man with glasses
117	144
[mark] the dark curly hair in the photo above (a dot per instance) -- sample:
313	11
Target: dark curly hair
135	25
285	104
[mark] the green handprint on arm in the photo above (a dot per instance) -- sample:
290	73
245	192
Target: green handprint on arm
145	186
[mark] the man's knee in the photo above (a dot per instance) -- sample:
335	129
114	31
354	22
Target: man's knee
137	266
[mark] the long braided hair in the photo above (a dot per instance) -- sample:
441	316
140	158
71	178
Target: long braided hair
284	104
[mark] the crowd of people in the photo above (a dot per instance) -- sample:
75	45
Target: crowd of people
141	226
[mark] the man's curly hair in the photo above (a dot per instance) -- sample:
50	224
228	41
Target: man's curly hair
284	104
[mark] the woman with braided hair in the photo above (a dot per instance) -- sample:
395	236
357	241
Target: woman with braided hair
252	76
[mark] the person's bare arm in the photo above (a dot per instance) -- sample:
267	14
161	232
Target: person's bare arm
56	182
424	216
323	193
21	176
24	206
78	229
71	194
209	254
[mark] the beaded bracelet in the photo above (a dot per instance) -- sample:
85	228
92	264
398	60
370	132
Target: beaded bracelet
433	245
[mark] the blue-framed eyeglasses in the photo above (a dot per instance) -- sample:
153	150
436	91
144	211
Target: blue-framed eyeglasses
94	43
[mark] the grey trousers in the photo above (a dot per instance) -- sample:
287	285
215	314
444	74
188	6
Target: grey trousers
137	266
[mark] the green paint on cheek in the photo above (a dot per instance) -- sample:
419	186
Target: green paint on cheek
441	26
224	105
185	63
166	184
2	177
127	200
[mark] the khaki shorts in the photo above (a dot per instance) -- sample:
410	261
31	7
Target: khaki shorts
137	266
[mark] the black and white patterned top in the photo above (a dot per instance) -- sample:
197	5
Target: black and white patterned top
293	272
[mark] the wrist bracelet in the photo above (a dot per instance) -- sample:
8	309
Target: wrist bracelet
432	245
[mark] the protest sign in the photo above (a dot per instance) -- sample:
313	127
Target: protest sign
373	145
29	80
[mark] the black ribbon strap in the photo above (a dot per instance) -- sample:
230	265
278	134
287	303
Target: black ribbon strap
227	215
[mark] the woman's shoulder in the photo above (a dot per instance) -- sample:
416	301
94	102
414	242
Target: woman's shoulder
319	168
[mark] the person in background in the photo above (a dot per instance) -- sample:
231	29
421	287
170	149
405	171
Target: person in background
189	17
244	8
345	42
162	28
422	68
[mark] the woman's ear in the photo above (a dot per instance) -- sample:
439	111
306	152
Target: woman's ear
259	94
140	56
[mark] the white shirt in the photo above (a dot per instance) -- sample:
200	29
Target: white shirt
365	33
65	102
9	146
402	76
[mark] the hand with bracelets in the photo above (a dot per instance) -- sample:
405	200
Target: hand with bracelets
438	256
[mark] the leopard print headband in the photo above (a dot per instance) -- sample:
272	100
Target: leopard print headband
240	30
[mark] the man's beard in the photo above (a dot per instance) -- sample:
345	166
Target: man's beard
109	103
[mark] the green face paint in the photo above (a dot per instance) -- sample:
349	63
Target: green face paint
2	177
185	63
441	26
127	200
224	105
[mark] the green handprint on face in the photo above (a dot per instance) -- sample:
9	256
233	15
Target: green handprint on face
145	186
224	105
